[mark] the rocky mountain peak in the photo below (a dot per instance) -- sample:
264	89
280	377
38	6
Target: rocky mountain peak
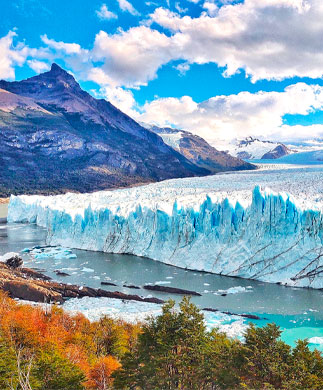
55	68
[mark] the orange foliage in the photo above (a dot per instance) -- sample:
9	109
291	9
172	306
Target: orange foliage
100	373
83	343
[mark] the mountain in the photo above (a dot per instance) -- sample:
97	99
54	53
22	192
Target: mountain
255	149
55	137
198	151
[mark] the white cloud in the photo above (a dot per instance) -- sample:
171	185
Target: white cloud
223	118
211	8
121	98
11	55
183	68
132	58
68	48
127	7
180	9
269	39
38	66
104	14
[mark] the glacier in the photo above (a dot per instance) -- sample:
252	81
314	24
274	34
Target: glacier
265	225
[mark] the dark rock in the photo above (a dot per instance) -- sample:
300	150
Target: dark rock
250	316
210	309
171	290
34	274
120	295
131	286
14	262
224	295
107	284
61	273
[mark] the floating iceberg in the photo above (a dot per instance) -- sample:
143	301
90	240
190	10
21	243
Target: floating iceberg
57	253
264	225
132	311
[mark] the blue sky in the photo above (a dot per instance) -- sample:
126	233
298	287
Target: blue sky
219	68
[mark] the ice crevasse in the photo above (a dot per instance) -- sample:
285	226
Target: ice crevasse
251	233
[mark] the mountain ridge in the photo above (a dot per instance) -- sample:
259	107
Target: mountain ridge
55	137
198	150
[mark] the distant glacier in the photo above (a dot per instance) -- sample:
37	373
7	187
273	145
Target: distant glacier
265	225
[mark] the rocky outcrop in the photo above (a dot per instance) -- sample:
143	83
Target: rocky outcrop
12	260
30	285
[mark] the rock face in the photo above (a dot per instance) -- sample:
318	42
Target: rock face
200	152
279	151
55	137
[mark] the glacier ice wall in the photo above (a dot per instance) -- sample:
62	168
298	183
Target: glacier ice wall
268	238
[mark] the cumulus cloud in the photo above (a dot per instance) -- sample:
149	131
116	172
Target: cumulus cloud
68	48
11	55
223	118
127	7
104	14
269	39
210	7
38	66
132	57
121	98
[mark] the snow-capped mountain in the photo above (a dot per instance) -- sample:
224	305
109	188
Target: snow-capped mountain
255	149
198	151
56	137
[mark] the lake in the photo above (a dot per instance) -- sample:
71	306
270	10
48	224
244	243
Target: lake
298	311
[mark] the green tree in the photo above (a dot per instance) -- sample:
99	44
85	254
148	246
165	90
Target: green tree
171	352
8	372
306	369
54	372
267	357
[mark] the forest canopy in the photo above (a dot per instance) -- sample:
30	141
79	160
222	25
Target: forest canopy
48	349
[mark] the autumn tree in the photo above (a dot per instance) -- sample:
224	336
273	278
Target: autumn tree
100	375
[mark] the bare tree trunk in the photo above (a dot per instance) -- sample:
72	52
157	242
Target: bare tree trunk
23	372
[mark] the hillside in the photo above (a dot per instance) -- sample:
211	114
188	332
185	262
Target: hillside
199	151
55	137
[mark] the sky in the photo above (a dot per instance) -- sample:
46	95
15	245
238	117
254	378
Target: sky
222	69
